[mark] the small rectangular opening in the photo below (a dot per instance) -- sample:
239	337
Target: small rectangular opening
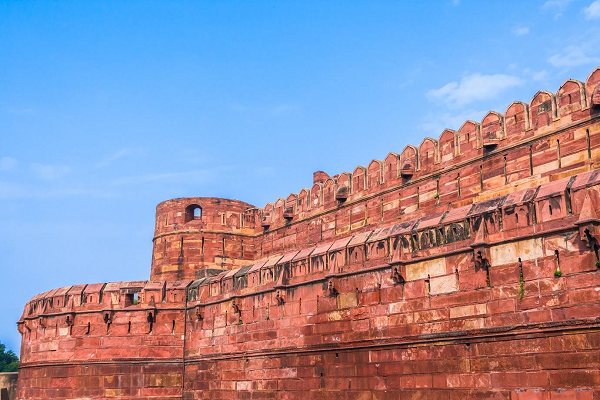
131	299
589	149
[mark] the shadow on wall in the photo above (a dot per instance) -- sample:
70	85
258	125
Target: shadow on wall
8	385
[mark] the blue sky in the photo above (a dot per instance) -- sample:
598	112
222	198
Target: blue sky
107	108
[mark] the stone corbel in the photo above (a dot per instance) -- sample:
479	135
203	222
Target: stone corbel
23	326
288	213
70	317
279	298
199	316
481	249
107	316
396	275
265	221
236	308
588	222
589	233
331	290
151	312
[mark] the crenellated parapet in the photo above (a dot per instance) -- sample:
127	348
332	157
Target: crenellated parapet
530	144
558	207
498	269
526	214
104	321
520	126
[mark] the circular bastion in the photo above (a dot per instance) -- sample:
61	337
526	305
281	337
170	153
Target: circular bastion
198	236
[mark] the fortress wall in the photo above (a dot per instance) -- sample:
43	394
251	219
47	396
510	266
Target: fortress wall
528	165
546	139
428	309
92	341
466	368
531	143
478	282
450	328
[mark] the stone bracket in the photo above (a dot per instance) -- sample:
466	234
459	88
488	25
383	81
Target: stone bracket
396	276
23	326
331	290
236	308
199	314
107	316
279	298
588	222
481	257
589	232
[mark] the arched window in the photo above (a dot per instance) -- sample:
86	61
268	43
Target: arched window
192	212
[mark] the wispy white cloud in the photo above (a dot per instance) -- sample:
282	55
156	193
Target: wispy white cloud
436	123
196	156
473	87
273	110
593	10
263	171
114	157
455	2
411	77
540	76
50	172
238	107
20	111
191	177
9	190
520	30
536	76
556	6
8	163
573	56
283	109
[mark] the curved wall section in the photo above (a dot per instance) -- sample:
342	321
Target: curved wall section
194	236
113	340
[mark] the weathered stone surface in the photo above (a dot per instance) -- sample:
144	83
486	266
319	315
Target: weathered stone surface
444	284
8	385
423	269
510	252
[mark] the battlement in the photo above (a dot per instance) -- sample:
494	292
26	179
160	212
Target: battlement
196	235
552	137
521	124
467	267
497	270
484	233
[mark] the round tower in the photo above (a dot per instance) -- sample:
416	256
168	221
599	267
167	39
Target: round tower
199	236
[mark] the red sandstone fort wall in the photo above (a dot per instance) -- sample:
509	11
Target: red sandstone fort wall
380	284
530	144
